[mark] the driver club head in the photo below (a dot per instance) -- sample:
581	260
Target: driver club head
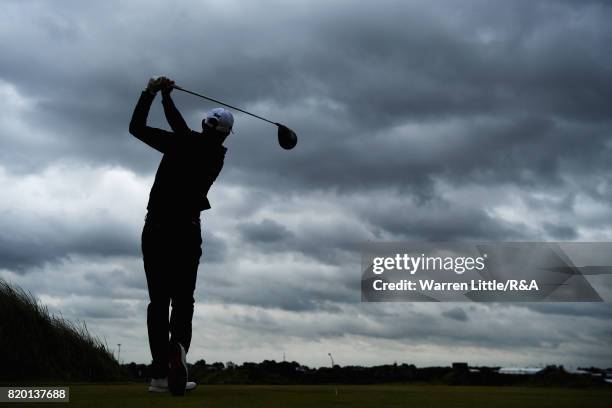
287	138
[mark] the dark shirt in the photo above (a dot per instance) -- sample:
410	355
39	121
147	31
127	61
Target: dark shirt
190	164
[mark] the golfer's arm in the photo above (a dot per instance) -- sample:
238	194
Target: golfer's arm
156	138
173	116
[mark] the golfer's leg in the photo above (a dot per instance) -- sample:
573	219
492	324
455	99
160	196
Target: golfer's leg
157	312
157	325
188	259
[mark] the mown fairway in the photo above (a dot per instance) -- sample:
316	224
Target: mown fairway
238	396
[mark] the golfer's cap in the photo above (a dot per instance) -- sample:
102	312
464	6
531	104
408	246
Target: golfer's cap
220	119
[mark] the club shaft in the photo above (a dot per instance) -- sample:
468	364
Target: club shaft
224	104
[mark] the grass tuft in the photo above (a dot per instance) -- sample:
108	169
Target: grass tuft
36	345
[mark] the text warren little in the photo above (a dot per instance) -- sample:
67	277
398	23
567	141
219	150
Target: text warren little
473	285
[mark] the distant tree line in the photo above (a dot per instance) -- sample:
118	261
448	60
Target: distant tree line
272	372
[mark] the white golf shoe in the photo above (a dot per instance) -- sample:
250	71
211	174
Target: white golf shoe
158	385
161	385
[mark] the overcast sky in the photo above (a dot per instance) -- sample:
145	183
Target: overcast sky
417	120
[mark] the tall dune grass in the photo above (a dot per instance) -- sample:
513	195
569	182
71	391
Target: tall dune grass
36	345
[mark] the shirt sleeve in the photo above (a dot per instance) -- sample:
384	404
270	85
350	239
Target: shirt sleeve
173	116
158	139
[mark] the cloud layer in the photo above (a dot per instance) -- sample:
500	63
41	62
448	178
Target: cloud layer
415	120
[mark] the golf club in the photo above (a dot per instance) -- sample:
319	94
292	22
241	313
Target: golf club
287	138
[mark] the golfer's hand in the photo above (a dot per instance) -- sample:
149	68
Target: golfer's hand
155	84
167	85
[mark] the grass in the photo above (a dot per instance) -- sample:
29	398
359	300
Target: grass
34	344
417	396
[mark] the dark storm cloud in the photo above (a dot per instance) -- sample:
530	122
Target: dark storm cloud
266	231
439	220
88	309
401	108
561	232
114	279
392	96
22	253
326	242
456	314
597	311
418	324
379	67
295	286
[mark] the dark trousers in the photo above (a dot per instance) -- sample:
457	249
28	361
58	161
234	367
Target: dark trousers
171	251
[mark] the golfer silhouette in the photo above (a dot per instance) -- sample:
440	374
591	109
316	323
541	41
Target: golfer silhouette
171	237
